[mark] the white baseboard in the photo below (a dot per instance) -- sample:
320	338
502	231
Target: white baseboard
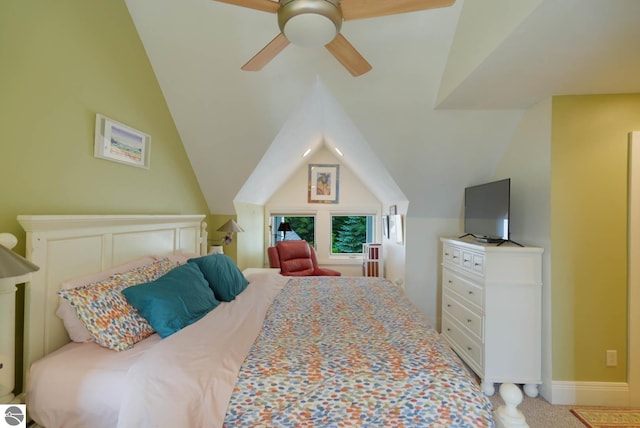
590	393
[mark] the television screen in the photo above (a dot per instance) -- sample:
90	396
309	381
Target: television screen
486	210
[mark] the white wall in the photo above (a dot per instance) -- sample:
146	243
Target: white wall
482	27
353	195
528	162
423	275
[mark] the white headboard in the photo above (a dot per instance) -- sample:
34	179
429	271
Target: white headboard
70	246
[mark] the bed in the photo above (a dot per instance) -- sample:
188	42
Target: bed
332	351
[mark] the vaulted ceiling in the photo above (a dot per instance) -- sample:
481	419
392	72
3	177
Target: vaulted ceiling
446	92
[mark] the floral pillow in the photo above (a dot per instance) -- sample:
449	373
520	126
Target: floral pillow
110	320
67	313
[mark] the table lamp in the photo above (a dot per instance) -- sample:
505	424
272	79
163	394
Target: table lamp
284	227
230	227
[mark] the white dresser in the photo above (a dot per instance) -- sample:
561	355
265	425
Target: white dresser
492	310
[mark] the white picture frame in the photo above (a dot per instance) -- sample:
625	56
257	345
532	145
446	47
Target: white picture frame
121	143
396	232
385	226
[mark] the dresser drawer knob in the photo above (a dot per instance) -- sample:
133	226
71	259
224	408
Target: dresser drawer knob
450	282
469	348
455	257
448	329
469	321
476	264
448	305
470	292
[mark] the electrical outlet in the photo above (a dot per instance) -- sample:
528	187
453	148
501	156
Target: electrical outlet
612	358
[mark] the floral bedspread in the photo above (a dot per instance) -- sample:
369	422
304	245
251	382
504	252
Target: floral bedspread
352	351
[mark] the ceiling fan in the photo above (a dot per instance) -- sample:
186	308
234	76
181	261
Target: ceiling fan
315	23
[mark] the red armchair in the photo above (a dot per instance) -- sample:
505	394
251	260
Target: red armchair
298	258
274	259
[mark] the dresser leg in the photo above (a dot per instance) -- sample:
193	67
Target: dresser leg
488	388
508	415
531	389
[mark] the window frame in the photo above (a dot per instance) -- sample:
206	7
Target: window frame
371	233
322	215
293	213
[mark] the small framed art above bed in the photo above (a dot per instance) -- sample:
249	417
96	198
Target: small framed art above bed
249	349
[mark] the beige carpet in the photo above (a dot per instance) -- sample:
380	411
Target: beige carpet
603	417
540	414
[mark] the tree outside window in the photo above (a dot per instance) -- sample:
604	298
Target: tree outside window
349	232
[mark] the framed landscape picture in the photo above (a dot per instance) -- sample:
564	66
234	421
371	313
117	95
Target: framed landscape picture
323	183
118	142
396	232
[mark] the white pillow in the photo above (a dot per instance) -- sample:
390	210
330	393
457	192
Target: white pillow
179	259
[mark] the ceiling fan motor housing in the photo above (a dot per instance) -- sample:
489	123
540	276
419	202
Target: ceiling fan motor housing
310	23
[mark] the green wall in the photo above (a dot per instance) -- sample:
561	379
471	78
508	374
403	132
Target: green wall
589	234
62	62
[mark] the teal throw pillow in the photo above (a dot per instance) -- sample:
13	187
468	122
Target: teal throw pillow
173	301
224	277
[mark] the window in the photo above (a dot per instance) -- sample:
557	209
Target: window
349	232
340	235
302	227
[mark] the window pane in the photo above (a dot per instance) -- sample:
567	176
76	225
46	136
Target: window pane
302	228
349	232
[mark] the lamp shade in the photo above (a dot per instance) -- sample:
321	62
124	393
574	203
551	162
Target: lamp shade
230	227
12	264
285	226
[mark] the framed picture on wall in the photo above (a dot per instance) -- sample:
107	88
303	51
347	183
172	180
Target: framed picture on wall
324	183
399	237
118	142
385	226
395	228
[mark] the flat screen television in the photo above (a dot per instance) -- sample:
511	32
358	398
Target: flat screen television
486	211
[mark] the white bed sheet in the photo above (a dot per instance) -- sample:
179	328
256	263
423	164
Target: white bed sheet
81	384
85	385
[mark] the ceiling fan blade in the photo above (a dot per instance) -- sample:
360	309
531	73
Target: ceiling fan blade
348	56
263	5
262	58
359	9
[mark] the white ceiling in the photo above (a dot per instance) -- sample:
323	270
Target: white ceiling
496	61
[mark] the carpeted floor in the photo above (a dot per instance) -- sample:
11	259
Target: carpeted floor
541	414
603	417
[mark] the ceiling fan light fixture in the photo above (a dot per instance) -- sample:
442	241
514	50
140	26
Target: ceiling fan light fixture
310	23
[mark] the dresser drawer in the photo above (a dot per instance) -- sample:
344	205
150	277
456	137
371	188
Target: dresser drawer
451	255
473	262
469	349
478	263
462	287
465	315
